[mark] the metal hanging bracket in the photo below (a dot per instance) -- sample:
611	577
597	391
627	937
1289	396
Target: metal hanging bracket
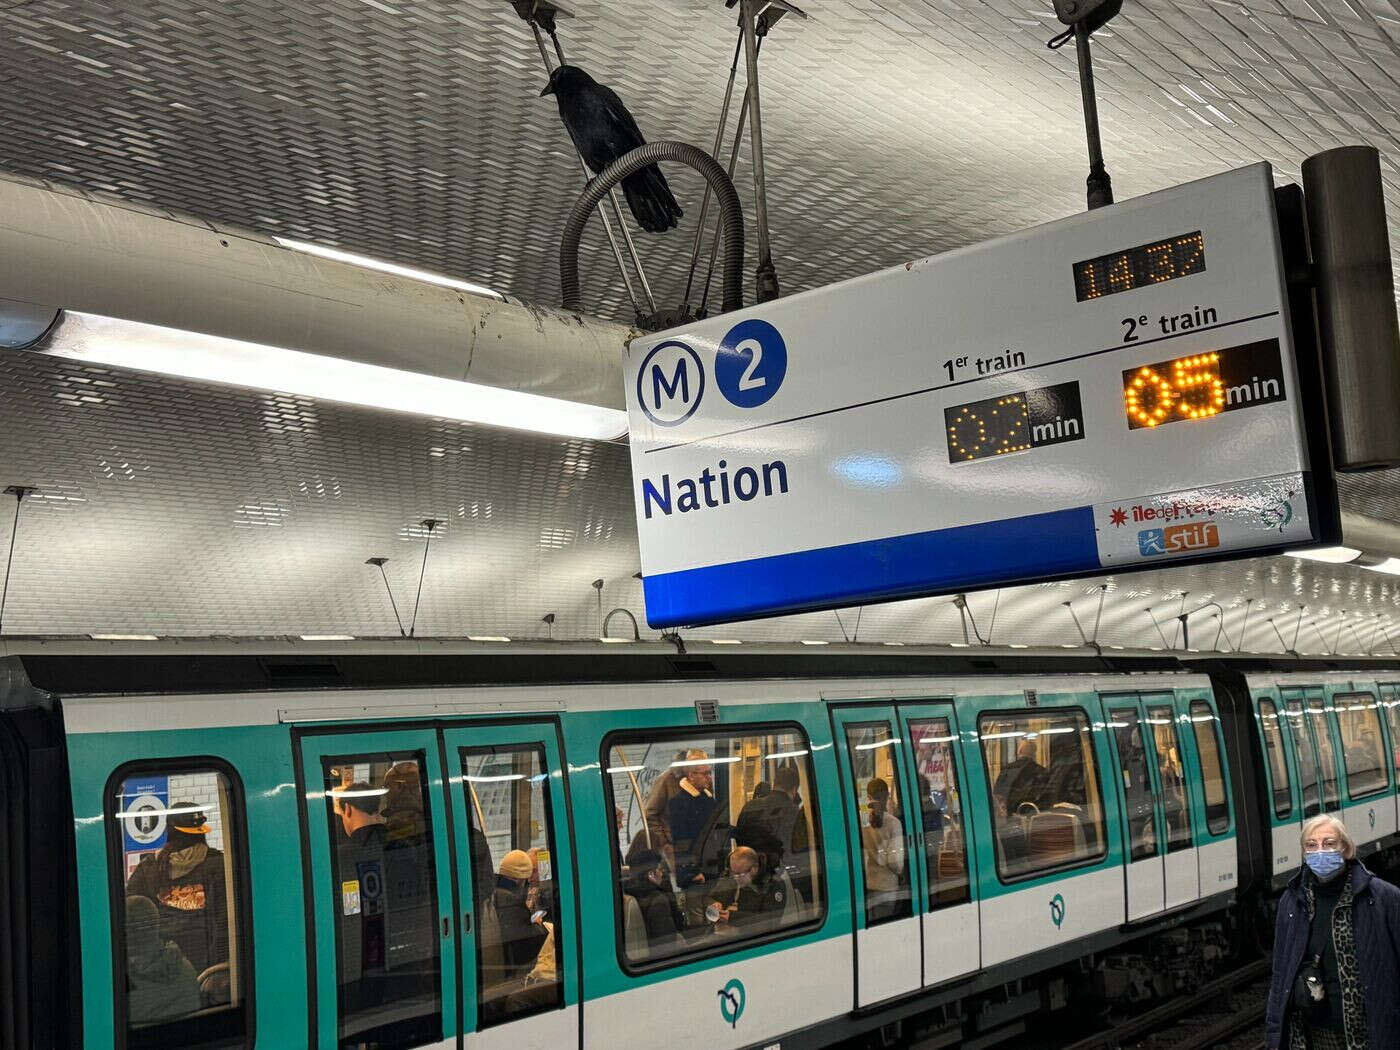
1084	17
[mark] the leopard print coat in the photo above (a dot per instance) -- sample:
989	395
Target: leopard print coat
1348	974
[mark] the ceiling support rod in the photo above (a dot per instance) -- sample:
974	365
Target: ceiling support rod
766	276
637	304
705	201
1100	186
18	492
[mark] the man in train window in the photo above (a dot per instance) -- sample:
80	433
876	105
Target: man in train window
185	881
689	815
1024	780
750	898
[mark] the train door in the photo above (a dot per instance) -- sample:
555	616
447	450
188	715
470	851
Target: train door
1325	742
887	933
942	828
1305	751
1217	857
1141	806
519	956
1390	708
1180	864
1285	806
1354	716
385	961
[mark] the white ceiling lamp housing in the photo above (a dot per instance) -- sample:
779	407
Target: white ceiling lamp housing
369	263
1389	566
1330	555
214	359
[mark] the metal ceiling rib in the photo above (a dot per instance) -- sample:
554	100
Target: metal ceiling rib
412	130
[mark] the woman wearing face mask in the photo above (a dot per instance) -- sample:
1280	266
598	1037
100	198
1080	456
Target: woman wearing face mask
1336	979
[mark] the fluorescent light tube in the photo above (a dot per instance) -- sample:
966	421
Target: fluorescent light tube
214	359
327	637
122	637
487	638
1331	555
386	267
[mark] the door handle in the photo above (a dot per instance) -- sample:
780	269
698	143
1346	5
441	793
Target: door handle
446	927
466	923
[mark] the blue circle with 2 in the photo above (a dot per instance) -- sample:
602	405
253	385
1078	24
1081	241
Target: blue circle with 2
751	363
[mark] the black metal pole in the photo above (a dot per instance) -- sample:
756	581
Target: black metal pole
1100	186
18	491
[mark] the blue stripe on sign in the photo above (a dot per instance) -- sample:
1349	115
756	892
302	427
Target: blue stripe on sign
935	562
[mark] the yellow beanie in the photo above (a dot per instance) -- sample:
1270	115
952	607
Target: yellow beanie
516	865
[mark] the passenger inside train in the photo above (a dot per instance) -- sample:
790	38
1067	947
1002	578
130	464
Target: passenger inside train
723	845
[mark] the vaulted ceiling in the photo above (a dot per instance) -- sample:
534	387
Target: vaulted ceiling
412	130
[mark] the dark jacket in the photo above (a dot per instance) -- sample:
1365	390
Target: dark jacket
1024	780
689	817
660	913
766	824
193	906
521	939
1377	923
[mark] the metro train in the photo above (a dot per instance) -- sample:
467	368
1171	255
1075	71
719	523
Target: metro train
467	845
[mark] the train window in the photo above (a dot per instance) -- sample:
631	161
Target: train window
884	862
940	810
1362	743
1307	759
1391	703
1045	788
181	932
511	830
1326	752
718	839
1205	726
1278	763
1162	727
1137	787
383	875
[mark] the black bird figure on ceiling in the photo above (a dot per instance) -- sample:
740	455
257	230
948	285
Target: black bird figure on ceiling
603	130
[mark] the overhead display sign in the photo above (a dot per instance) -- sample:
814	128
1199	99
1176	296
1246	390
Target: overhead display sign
1115	390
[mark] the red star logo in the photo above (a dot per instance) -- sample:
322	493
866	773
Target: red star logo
1118	517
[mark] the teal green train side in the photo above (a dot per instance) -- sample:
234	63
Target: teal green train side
1049	921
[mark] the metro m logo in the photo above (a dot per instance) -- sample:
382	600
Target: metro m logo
670	384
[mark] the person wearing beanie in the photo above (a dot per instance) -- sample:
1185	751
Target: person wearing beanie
1336	976
522	934
161	983
185	881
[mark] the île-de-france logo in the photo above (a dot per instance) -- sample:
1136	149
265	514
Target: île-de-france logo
731	1001
1057	910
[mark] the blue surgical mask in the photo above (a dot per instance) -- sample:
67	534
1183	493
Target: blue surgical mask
1324	863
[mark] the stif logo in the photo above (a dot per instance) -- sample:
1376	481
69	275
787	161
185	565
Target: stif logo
670	383
731	1001
1057	910
1179	539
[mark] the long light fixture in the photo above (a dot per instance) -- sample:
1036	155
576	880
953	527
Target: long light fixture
1330	555
370	263
1389	566
214	359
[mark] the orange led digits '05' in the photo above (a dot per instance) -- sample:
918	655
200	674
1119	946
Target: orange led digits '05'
1192	390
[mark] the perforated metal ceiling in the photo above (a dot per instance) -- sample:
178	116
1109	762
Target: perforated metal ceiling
412	130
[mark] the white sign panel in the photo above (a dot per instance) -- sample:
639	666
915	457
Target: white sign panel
1114	390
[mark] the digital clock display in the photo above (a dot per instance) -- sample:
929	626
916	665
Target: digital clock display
1136	267
1015	422
1203	385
